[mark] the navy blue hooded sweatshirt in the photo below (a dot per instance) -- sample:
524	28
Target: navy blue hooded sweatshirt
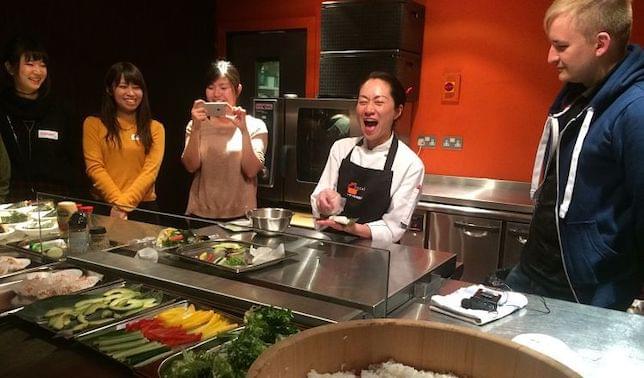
600	189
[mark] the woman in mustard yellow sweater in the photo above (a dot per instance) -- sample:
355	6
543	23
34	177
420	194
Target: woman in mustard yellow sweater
124	147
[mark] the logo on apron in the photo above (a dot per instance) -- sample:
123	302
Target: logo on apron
353	190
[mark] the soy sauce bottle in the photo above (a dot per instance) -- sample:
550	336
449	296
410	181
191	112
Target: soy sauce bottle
78	233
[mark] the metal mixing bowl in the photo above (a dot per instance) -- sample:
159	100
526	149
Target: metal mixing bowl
270	220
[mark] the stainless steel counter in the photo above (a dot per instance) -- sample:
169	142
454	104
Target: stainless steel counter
489	194
226	292
606	342
351	276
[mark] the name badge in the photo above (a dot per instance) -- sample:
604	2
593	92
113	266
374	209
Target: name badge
48	134
135	137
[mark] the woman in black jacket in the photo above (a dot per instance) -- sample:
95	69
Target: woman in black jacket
33	125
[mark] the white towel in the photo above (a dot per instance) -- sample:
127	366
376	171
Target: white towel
451	305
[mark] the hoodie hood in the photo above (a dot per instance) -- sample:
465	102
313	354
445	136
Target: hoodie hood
626	74
629	72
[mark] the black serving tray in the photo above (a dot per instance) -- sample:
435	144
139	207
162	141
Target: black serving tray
37	262
34	313
11	302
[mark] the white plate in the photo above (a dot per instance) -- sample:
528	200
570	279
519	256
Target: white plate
35	215
6	213
24	210
35	232
9	231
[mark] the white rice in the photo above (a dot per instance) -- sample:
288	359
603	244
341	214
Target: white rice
389	369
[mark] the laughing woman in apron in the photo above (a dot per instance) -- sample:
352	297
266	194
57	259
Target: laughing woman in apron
373	180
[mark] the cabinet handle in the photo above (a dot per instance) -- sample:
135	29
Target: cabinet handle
522	237
472	226
475	234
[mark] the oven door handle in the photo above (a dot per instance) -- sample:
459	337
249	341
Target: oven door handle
472	226
284	163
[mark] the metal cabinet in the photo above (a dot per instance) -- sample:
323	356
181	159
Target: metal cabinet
416	234
475	241
516	235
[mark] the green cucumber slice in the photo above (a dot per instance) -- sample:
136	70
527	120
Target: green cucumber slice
118	339
130	304
141	357
121	291
59	311
123	346
122	355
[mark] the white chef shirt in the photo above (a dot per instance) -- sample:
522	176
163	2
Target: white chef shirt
408	173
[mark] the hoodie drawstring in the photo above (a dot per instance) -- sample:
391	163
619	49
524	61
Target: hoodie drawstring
550	133
572	173
539	160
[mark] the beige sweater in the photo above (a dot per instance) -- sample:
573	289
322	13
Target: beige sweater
219	188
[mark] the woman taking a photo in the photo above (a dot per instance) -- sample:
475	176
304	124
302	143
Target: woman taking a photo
374	179
124	146
225	152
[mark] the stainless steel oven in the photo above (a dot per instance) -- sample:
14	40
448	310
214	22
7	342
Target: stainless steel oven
301	132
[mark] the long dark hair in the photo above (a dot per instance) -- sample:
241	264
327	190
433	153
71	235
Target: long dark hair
32	49
131	74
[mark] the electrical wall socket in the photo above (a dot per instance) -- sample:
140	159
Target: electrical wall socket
426	141
453	142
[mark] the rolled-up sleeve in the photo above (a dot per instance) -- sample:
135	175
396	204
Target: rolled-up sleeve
329	177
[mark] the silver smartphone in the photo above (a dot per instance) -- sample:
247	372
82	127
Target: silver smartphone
215	109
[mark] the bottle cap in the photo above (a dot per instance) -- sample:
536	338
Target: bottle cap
86	209
97	230
78	220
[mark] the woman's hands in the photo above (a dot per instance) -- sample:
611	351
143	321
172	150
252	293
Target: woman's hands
198	113
238	117
235	114
329	202
118	213
360	230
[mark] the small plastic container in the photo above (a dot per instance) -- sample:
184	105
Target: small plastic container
147	254
98	239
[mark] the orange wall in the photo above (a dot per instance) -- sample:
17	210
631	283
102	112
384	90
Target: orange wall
506	85
500	53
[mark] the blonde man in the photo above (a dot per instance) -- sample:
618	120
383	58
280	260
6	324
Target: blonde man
587	235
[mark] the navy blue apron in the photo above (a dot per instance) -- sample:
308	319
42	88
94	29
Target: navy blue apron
367	191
